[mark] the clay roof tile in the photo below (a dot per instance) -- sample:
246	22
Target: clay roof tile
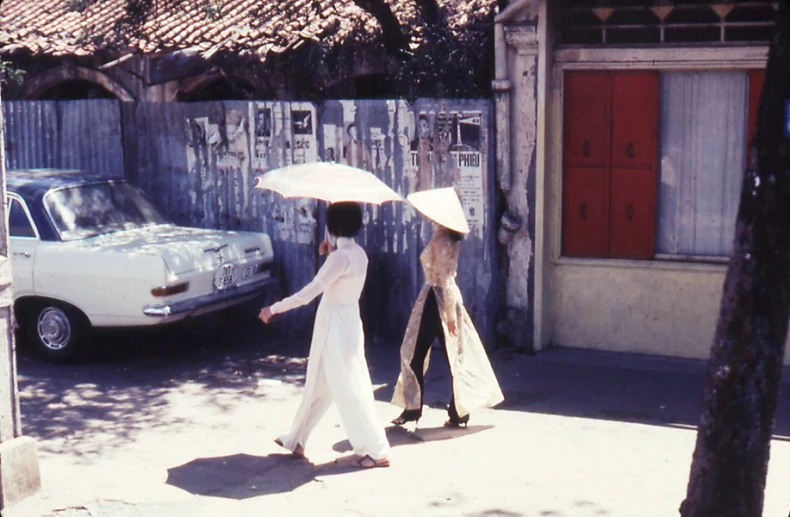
82	27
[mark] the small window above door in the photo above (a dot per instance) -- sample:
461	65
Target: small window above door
644	22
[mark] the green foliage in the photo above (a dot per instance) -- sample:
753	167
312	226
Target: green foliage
449	64
213	9
446	64
78	5
11	75
137	12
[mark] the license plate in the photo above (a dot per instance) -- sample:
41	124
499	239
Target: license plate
225	276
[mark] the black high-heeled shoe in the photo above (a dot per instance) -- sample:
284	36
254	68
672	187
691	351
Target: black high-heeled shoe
408	415
456	421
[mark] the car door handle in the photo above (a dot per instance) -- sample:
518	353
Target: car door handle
22	254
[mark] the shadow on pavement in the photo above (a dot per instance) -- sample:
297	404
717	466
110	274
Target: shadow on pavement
613	386
398	436
126	384
243	476
239	476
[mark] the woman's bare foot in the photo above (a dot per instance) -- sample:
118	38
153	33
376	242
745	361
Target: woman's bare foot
298	450
367	462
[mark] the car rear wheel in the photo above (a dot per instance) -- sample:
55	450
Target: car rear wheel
57	332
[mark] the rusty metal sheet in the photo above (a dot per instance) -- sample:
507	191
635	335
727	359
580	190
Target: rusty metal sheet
430	144
83	134
199	160
462	135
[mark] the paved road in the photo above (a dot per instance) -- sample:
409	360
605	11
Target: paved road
180	423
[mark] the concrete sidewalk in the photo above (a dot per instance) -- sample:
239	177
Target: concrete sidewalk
581	434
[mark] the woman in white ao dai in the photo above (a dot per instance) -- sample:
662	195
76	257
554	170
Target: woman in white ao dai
337	370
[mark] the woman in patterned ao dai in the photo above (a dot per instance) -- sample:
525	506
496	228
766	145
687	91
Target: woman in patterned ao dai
439	313
337	370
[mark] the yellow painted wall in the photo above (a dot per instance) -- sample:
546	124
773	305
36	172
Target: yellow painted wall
655	308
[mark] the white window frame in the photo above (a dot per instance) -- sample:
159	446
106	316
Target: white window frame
9	199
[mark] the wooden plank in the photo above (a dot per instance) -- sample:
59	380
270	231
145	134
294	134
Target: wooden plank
632	221
667	58
633	214
584	213
587	120
634	119
587	126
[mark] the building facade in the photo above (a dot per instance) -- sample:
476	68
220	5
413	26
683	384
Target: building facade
624	133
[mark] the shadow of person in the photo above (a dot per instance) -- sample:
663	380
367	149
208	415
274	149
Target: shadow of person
239	476
398	435
243	476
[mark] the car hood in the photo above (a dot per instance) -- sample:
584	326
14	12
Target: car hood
184	249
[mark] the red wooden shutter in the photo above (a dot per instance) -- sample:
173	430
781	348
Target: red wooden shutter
756	80
632	215
586	164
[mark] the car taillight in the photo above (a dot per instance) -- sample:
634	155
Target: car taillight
169	290
263	267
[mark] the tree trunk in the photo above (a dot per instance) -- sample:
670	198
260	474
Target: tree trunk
393	38
730	462
430	11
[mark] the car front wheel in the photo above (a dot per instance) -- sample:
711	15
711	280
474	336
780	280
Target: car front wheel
57	332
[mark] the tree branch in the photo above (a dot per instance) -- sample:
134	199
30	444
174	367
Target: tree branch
395	42
138	11
430	11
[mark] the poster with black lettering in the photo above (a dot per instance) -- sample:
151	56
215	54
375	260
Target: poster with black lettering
266	128
232	148
303	132
445	151
262	131
466	145
304	149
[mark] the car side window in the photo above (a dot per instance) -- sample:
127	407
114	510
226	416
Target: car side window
19	224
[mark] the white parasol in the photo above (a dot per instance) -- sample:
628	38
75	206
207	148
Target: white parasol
333	182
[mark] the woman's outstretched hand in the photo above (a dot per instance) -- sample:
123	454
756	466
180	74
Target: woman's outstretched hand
452	328
265	315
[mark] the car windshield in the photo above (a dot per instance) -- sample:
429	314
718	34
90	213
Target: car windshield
89	210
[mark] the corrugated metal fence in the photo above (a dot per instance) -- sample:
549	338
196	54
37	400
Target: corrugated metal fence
199	161
64	134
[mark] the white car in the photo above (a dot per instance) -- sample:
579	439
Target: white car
89	252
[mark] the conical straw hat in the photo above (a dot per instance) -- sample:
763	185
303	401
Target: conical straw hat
442	206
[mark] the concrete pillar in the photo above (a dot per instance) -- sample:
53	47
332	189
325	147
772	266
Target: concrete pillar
516	98
20	482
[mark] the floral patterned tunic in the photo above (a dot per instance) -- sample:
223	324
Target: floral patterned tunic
474	382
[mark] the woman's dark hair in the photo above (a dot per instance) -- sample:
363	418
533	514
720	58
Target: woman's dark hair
455	236
344	219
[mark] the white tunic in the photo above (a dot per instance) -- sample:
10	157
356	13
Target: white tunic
337	370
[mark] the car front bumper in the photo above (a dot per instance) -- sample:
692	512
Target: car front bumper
212	302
